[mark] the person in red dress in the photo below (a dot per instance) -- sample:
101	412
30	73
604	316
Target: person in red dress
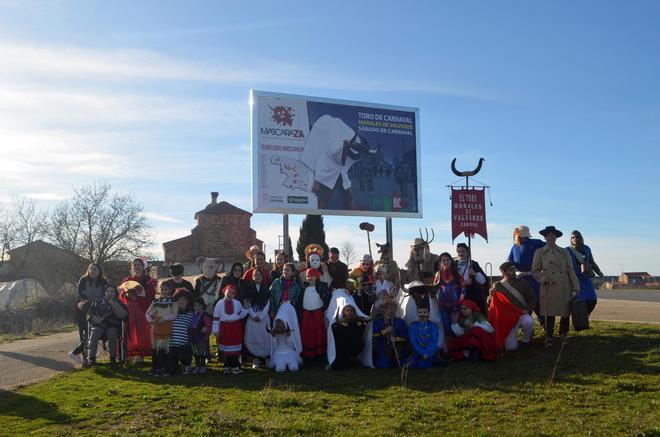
137	292
315	299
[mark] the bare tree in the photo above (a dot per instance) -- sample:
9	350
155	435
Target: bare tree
348	252
8	233
30	221
100	226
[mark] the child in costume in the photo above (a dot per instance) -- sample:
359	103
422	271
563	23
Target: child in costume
105	315
451	289
180	350
381	283
474	335
199	332
423	336
162	311
256	300
227	327
286	343
390	338
315	299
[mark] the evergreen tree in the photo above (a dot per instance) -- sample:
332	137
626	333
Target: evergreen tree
311	231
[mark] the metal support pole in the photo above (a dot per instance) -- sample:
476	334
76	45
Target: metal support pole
388	234
285	233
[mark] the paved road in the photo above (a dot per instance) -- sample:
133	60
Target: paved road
28	361
638	296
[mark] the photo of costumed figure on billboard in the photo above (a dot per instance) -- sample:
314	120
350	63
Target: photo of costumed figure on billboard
352	158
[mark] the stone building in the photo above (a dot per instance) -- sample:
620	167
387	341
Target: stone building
223	231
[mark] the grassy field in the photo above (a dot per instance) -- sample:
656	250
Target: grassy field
606	382
65	327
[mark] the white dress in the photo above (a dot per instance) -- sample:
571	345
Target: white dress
284	356
285	350
257	338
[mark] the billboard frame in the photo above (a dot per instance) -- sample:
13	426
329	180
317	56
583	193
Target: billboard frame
254	129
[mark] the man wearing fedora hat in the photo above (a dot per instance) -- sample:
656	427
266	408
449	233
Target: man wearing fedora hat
521	255
552	267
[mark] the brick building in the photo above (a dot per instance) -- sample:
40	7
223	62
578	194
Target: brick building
223	231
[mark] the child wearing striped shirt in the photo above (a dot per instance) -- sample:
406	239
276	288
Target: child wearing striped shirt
180	349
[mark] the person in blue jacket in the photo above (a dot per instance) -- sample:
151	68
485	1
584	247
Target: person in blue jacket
521	255
585	269
423	335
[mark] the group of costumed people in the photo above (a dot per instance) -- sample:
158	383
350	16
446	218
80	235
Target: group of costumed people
440	309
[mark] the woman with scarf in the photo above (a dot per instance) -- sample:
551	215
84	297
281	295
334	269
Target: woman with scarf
137	292
285	289
585	268
451	289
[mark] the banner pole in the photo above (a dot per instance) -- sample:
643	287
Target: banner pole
285	233
388	234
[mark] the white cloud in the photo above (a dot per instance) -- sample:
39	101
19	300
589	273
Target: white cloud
23	61
154	216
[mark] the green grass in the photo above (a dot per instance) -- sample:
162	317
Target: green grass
607	382
65	327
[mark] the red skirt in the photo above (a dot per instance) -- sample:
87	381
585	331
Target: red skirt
138	331
313	333
477	339
231	338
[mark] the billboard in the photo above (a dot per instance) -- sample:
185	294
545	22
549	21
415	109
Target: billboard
334	157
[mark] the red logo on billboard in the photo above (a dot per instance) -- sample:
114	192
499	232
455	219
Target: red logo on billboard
468	212
283	115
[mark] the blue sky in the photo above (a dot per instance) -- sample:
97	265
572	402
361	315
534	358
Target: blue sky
562	99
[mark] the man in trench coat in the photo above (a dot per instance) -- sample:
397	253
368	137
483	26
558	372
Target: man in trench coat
552	267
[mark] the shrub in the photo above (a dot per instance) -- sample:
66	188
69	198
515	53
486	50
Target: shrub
48	312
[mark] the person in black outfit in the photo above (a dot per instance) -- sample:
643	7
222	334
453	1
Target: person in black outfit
337	270
177	281
348	333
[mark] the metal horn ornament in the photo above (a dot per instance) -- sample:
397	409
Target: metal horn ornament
466	173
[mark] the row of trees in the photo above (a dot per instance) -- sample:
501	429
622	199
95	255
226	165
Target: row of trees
95	224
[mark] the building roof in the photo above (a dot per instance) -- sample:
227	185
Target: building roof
222	208
639	274
179	240
41	244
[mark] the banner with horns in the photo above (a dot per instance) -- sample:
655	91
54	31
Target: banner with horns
468	212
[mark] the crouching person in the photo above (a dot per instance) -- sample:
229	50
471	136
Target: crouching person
105	315
424	336
346	337
511	305
474	335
